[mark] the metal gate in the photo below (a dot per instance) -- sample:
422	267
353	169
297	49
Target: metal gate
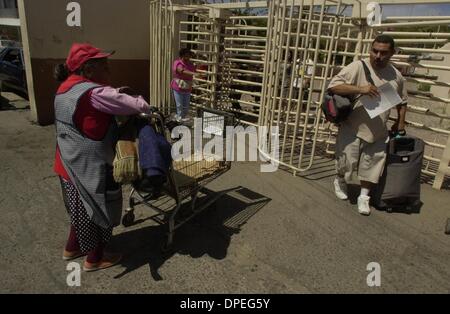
269	62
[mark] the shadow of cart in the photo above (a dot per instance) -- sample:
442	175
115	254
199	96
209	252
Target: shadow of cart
209	233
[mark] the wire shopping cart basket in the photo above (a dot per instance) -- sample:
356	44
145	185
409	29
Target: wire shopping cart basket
188	176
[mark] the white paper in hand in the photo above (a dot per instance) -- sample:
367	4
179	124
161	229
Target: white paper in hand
377	105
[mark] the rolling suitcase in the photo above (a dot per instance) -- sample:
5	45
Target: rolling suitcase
399	186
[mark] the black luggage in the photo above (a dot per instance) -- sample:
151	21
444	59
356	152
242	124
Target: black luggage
399	186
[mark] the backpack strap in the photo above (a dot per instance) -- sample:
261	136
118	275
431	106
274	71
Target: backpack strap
367	72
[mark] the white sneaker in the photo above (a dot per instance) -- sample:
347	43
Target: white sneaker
363	205
340	189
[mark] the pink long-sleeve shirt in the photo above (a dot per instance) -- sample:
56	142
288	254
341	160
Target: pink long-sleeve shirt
109	100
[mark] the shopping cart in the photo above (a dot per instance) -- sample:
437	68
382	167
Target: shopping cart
188	177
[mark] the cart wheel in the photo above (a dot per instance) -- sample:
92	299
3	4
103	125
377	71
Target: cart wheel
128	219
447	228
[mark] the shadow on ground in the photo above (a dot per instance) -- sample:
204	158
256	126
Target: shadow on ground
208	233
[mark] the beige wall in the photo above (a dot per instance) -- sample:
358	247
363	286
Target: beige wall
117	25
111	24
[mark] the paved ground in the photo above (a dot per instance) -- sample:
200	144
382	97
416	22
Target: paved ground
278	234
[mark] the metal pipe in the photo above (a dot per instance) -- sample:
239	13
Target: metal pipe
412	24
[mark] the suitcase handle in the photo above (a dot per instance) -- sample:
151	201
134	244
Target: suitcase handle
401	144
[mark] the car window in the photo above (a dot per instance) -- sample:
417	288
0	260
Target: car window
8	43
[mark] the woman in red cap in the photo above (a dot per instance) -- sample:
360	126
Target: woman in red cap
86	134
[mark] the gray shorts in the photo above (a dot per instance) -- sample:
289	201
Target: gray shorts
354	155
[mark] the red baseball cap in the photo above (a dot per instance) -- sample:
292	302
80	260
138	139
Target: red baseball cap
80	53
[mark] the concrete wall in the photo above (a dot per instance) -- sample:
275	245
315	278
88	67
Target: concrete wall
117	25
443	75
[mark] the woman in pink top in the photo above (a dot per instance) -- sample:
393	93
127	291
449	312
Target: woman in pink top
183	71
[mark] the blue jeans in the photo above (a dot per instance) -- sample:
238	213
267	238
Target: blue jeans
182	100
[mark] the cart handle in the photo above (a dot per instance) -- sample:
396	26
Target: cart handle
153	115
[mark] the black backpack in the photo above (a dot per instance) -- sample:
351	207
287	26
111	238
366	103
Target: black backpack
337	108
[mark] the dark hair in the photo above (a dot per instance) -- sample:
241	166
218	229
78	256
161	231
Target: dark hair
385	39
61	72
185	51
89	64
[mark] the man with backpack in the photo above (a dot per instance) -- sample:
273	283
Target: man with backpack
361	141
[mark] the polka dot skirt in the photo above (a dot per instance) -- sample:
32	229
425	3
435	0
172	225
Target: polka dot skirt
89	235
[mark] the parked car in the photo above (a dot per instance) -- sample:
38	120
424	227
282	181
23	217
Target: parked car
12	71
